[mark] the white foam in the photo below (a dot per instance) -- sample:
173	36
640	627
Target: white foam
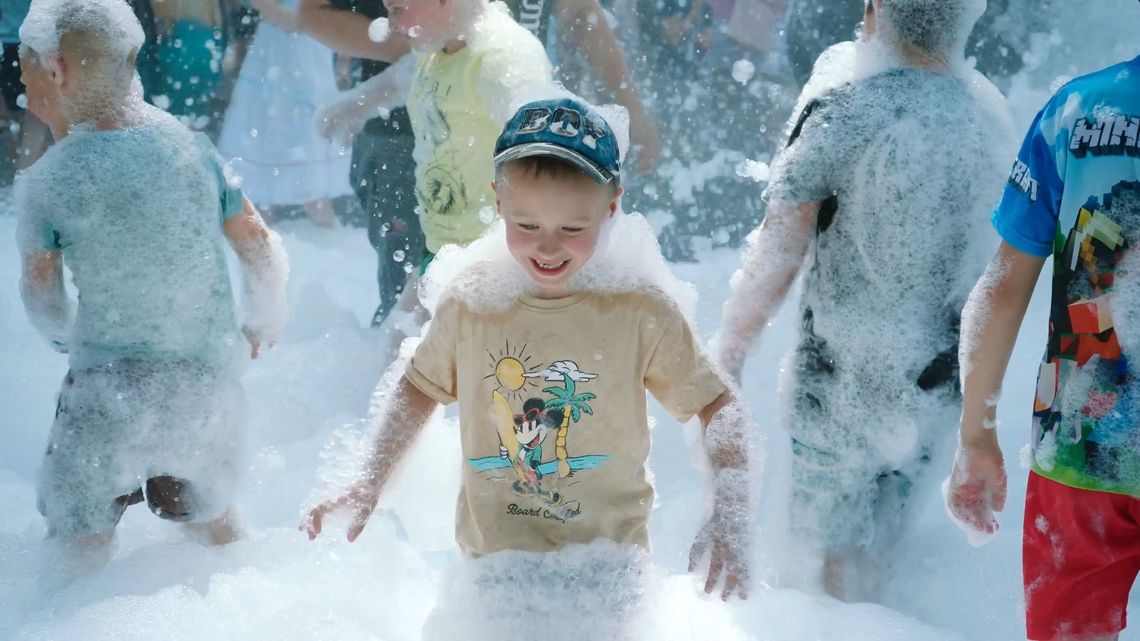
485	277
111	21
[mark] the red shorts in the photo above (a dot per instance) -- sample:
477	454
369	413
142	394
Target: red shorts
1080	556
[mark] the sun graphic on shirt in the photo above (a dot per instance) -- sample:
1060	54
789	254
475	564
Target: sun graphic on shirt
510	368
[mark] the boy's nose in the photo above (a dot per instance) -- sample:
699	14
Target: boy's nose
548	247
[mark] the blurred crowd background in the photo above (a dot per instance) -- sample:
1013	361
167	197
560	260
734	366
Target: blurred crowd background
715	81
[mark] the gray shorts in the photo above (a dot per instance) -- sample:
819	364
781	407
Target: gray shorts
169	432
858	451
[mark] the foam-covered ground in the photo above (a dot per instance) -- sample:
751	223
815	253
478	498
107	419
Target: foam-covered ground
277	585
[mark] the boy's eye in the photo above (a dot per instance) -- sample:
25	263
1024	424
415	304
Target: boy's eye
572	230
528	227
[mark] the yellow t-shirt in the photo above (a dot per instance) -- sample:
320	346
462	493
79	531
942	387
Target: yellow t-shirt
458	105
552	412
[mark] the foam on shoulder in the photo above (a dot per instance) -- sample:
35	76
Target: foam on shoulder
486	278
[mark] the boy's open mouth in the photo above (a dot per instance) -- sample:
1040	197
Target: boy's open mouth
549	269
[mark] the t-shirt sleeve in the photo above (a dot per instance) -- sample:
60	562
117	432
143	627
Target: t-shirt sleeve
505	73
433	366
34	230
230	199
803	171
678	374
1027	215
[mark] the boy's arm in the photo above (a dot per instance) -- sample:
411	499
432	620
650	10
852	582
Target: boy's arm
45	298
770	267
726	535
265	270
400	426
345	115
585	22
990	324
272	12
346	32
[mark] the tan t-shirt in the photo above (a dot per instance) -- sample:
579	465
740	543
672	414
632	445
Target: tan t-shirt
552	412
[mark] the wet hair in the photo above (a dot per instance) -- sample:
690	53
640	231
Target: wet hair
935	26
542	167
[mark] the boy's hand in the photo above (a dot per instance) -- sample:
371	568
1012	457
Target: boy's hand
977	486
725	538
344	117
361	499
256	340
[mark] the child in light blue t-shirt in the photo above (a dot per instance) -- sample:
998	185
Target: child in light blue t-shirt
140	209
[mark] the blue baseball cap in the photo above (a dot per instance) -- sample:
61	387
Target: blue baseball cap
566	129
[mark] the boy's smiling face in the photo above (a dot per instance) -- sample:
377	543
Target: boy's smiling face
553	222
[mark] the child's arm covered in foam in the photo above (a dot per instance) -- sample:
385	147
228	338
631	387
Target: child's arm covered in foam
45	298
771	263
345	116
990	324
726	537
265	270
400	424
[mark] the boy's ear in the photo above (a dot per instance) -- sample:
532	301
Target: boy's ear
56	68
616	200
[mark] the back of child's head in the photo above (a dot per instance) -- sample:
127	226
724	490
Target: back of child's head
938	27
97	39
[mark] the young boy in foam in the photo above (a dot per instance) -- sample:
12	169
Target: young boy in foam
469	65
880	197
1073	194
139	209
549	346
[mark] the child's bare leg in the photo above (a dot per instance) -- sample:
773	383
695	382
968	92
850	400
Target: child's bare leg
221	531
834	569
321	213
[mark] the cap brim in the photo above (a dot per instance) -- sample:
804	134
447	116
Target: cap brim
527	150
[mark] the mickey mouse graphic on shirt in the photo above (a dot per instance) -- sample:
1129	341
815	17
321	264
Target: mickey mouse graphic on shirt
523	433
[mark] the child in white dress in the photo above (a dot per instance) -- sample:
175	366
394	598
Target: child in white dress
268	130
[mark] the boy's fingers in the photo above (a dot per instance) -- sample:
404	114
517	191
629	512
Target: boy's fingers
966	506
716	565
731	584
697	552
363	513
312	525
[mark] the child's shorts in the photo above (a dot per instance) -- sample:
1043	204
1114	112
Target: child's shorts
1080	557
171	432
852	476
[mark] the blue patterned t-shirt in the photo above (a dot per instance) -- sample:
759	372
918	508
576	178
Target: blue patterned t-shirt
1074	194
